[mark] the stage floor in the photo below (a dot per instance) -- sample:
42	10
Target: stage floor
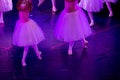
100	61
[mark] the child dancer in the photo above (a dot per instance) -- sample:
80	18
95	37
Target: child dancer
54	9
27	32
5	6
91	6
72	25
108	3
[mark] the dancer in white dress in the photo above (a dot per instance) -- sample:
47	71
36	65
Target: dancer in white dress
72	25
5	6
108	3
91	6
27	32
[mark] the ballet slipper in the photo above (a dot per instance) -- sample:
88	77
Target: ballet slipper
39	55
23	63
85	42
69	51
110	14
54	9
92	23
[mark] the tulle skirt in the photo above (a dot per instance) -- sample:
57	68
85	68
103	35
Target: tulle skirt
5	5
91	5
27	34
72	26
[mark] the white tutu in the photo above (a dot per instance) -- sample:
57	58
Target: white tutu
5	5
91	5
72	26
28	33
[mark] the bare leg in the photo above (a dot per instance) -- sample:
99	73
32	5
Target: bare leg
24	55
109	8
53	5
84	41
38	53
40	2
91	18
70	48
1	17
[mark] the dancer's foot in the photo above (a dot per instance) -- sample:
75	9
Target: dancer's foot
85	42
23	63
92	23
69	51
54	9
39	55
110	14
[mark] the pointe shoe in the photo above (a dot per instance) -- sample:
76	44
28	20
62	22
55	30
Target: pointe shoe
69	52
110	14
23	63
85	44
39	55
54	9
92	24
